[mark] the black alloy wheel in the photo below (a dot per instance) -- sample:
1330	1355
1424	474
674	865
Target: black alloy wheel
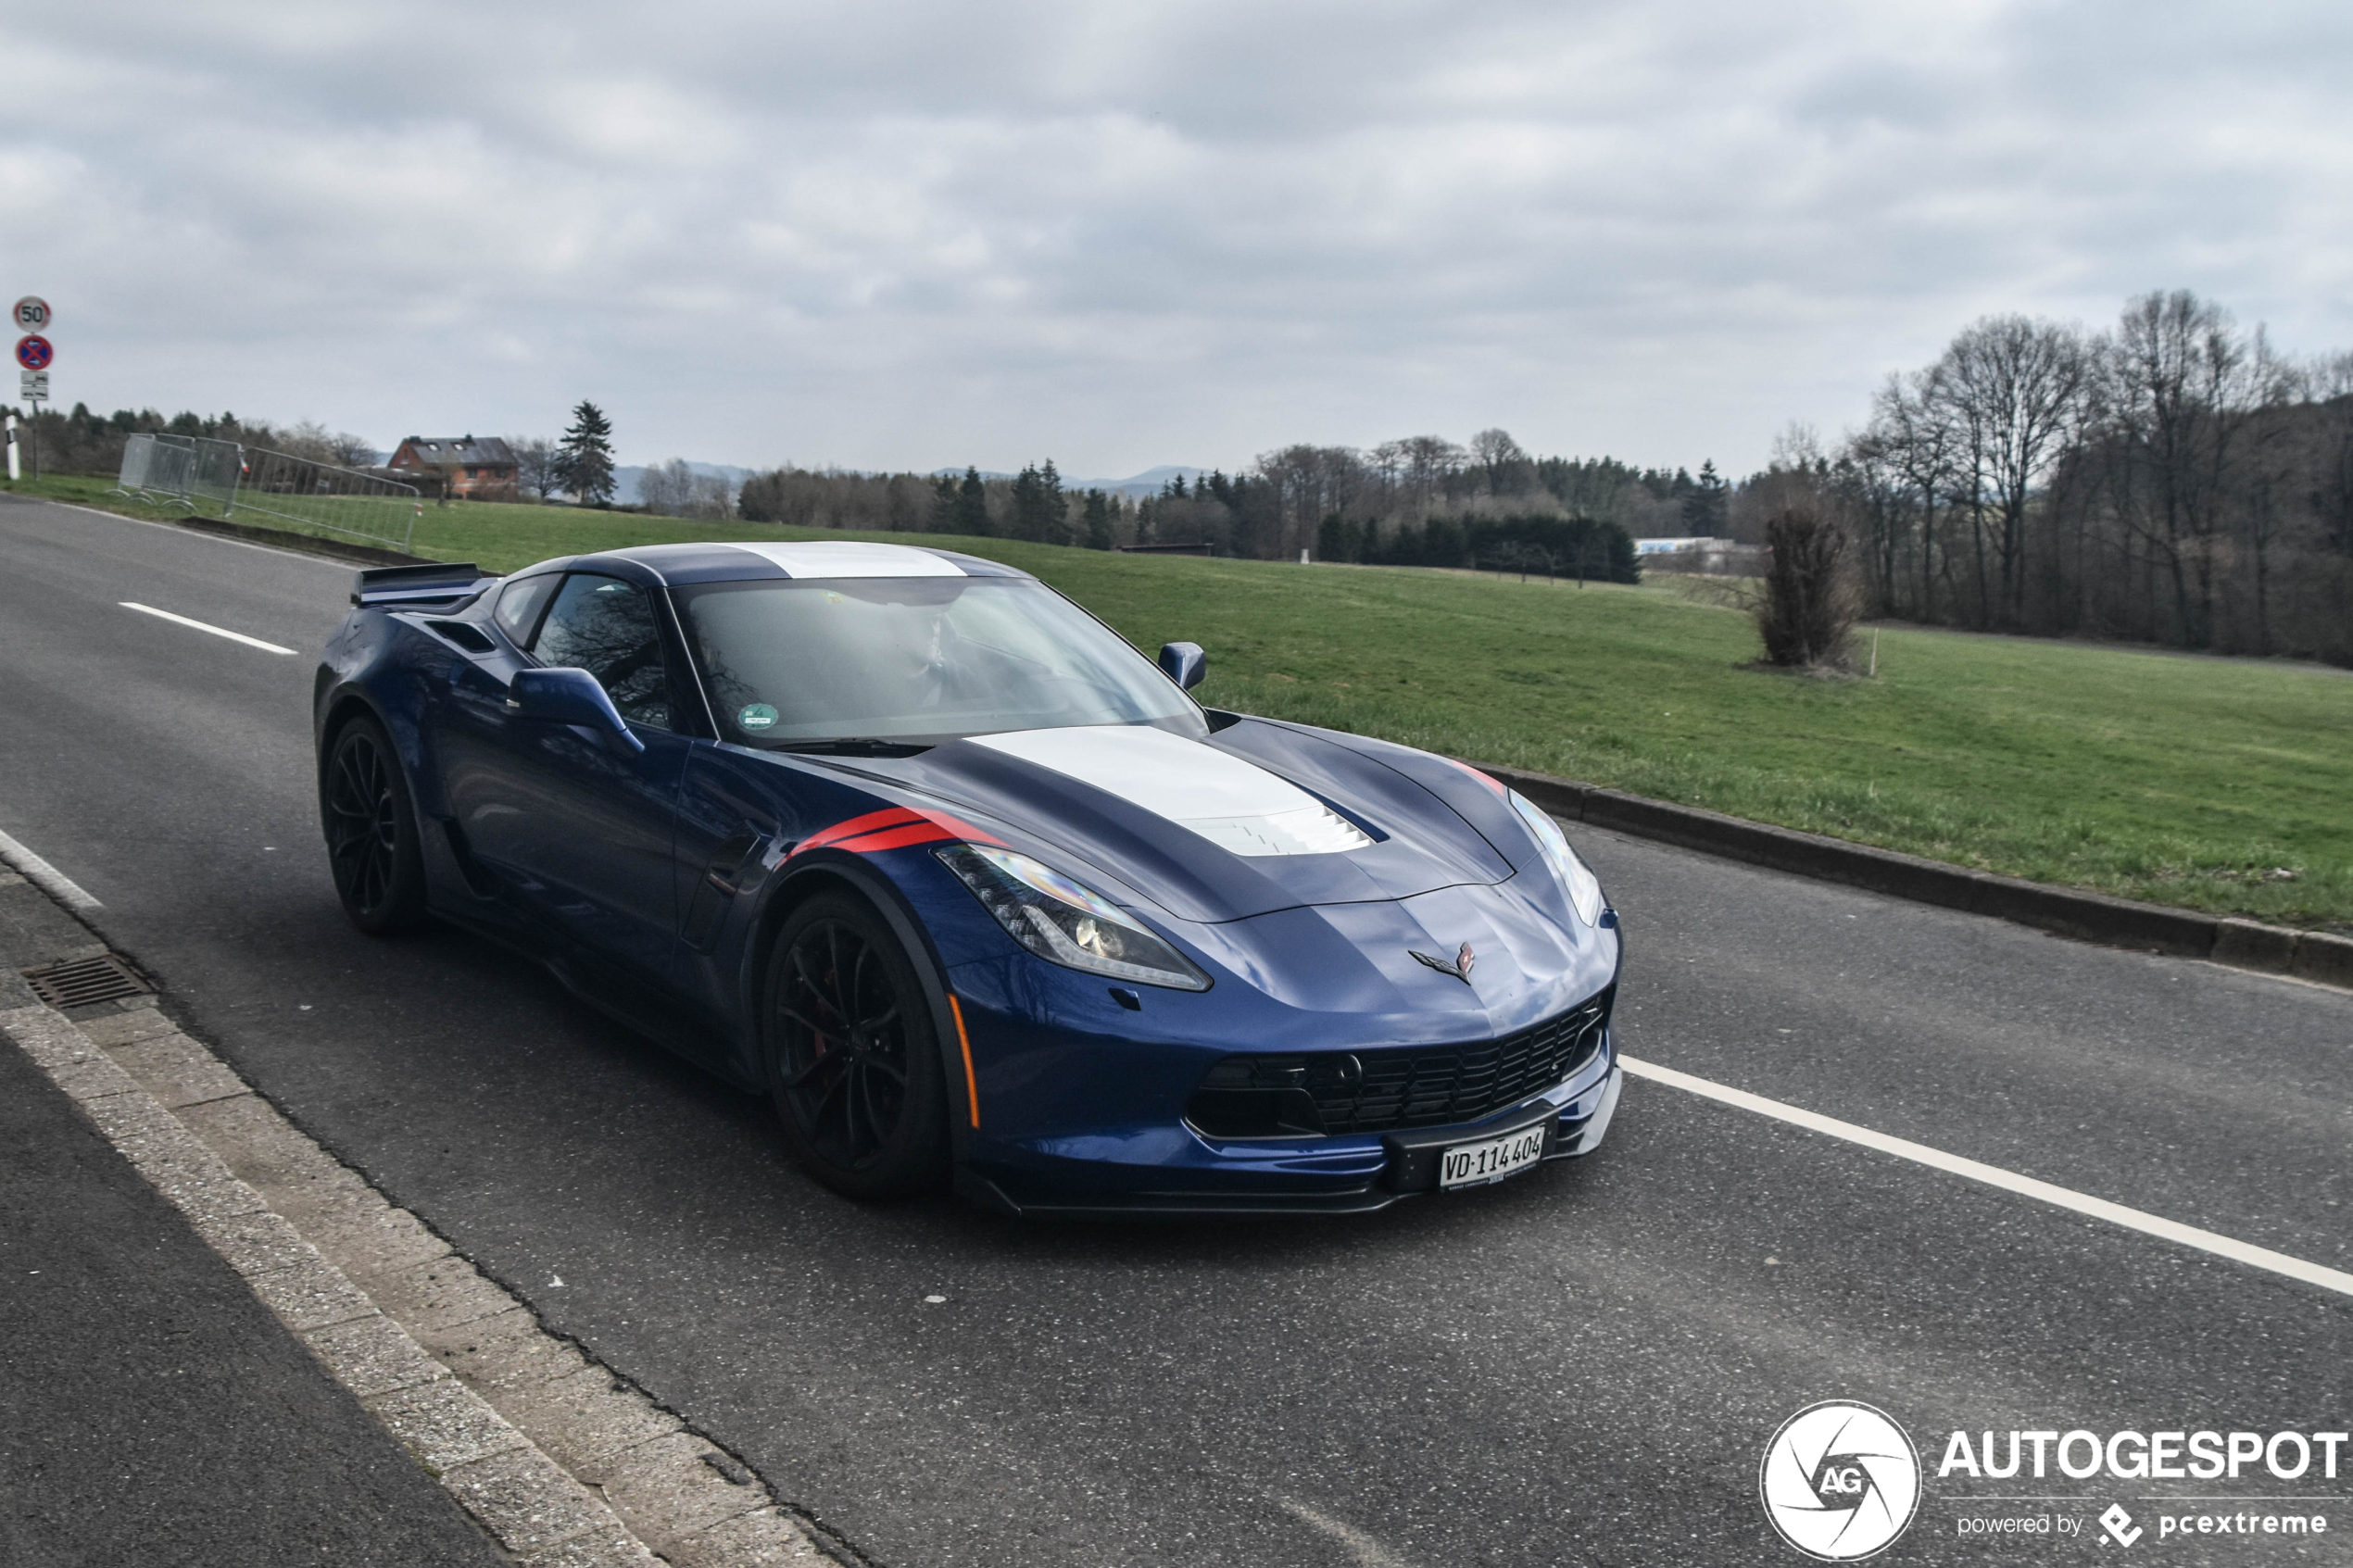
853	1061
371	832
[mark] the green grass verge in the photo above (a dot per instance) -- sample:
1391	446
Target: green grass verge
2184	780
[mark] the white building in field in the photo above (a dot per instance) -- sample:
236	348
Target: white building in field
1705	557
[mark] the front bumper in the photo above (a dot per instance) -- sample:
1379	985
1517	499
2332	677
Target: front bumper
1186	1173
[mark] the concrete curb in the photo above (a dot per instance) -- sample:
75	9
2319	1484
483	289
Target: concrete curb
565	1463
2086	916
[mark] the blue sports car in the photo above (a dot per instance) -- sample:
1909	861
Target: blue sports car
912	843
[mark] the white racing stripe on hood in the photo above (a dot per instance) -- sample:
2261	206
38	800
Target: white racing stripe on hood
1236	804
851	558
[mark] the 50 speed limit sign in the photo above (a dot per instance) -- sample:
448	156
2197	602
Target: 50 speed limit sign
33	314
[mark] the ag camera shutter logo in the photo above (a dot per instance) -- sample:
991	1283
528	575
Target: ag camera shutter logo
1840	1481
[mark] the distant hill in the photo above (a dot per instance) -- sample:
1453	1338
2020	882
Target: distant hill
1148	482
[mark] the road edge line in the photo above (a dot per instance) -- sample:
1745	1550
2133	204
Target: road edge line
481	1453
2299	1268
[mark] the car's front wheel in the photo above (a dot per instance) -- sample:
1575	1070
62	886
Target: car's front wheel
853	1061
373	848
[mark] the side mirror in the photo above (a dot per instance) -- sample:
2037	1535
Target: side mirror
571	697
1183	662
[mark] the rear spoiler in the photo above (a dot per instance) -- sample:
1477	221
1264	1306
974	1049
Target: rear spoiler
436	585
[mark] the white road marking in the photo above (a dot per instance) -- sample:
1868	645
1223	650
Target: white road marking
1368	1552
205	626
45	876
2009	1180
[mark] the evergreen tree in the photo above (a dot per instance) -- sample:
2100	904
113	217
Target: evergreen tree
972	504
1704	505
584	461
943	504
1098	519
1039	511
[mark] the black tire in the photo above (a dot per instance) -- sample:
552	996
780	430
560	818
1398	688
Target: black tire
853	1060
371	822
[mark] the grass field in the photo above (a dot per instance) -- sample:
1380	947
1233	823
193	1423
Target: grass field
2218	784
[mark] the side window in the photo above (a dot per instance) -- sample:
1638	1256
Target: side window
518	604
605	627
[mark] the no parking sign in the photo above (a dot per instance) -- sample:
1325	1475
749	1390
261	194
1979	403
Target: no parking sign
34	352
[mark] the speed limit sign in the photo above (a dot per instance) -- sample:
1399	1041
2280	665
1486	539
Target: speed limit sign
33	314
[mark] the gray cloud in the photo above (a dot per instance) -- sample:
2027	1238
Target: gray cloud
1126	233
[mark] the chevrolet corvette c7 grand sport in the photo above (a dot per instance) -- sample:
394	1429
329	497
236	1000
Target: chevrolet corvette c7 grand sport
912	845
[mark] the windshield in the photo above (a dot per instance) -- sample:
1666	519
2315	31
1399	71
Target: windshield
915	659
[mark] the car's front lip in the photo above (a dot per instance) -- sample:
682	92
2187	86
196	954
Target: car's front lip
1178	1171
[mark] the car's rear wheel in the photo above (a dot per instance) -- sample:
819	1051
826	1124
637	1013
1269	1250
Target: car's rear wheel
372	848
853	1061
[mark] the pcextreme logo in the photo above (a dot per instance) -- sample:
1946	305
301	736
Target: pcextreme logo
1840	1481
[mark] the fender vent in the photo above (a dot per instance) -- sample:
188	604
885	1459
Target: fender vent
84	980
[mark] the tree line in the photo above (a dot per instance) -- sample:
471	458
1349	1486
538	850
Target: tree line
1420	501
79	441
2173	479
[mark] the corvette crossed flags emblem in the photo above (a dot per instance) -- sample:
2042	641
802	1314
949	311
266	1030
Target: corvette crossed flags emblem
1460	969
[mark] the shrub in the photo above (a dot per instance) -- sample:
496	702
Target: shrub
1811	598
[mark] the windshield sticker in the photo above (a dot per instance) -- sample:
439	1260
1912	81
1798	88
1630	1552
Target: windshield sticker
756	716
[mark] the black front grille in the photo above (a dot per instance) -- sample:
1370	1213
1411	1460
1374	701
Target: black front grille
1377	1091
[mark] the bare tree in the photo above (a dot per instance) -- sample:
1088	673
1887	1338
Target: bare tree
1903	457
1311	483
534	465
674	489
2014	389
1430	465
1503	464
2180	385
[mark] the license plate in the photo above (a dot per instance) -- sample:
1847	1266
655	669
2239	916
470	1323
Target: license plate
1476	1164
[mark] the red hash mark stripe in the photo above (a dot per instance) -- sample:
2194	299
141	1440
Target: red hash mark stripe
1489	780
897	827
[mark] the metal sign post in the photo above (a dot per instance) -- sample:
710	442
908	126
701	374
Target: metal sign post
35	354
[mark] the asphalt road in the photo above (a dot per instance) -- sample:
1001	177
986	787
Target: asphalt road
1580	1366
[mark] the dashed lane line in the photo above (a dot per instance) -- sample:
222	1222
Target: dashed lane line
2009	1180
206	626
45	876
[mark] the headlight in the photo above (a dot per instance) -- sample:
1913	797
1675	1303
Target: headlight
1064	924
1583	888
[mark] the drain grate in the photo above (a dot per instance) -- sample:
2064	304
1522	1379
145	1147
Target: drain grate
84	980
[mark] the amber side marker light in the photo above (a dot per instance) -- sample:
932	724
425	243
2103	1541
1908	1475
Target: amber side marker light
972	1087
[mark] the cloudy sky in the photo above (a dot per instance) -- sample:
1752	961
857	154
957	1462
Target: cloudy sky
1125	233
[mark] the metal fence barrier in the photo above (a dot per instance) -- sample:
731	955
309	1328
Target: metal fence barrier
212	473
202	474
138	461
160	468
320	496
